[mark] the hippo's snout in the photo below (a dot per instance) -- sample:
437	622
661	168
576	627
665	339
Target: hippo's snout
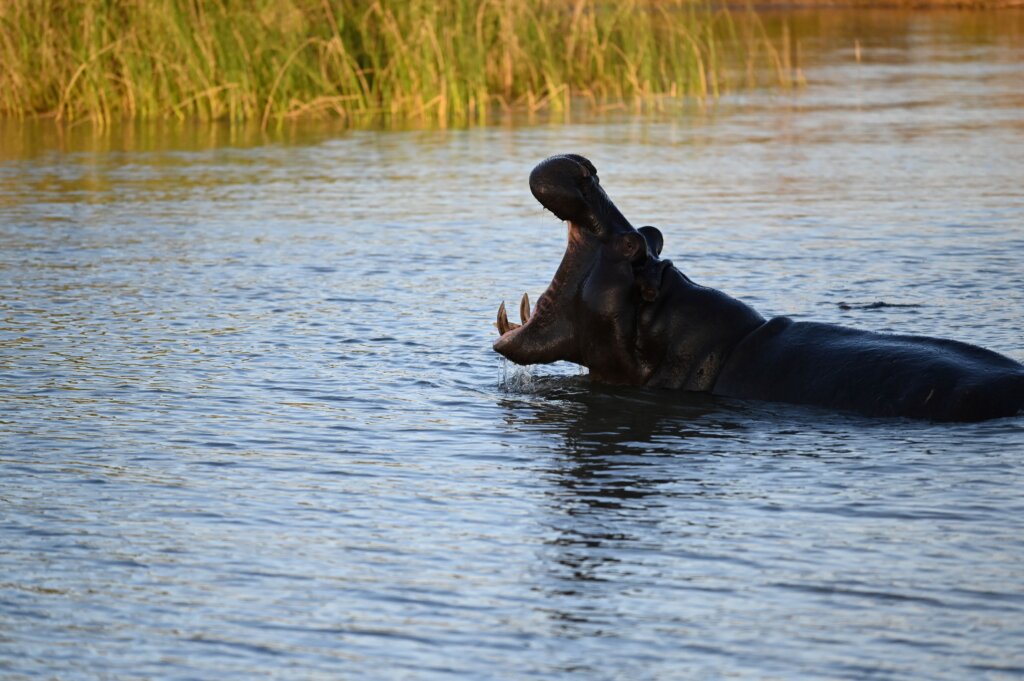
560	184
568	186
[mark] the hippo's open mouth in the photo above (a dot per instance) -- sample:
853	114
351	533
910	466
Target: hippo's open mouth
568	186
545	333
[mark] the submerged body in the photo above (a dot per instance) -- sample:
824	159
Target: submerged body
872	373
617	308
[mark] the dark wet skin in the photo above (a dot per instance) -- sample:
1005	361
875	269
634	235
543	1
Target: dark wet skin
632	318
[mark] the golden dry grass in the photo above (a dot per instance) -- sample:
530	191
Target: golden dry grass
438	62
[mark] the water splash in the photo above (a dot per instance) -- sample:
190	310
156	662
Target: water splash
516	378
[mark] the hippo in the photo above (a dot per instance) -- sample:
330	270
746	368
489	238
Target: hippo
632	318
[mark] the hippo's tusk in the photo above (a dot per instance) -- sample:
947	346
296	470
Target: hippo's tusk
524	309
502	320
504	325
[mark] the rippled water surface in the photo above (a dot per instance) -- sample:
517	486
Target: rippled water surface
252	426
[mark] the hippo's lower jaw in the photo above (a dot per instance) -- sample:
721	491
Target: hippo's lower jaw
615	307
546	334
526	343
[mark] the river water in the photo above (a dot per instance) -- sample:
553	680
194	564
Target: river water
252	426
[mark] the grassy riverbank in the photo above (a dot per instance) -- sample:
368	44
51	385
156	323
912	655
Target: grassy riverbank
438	62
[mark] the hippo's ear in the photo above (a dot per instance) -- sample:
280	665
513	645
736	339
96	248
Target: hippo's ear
654	239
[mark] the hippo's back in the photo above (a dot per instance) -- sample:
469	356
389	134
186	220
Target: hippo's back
872	373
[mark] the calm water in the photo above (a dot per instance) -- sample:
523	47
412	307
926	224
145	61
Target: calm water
252	426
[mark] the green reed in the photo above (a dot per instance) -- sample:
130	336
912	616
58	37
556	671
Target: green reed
438	62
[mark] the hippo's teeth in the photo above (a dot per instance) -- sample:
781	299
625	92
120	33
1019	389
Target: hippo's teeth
524	309
502	320
504	325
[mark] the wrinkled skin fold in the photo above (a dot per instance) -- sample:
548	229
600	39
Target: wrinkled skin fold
629	316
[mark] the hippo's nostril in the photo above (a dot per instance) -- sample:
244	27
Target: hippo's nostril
585	165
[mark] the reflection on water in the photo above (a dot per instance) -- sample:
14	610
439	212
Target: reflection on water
252	425
663	535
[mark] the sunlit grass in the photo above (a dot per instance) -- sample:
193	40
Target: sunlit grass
438	62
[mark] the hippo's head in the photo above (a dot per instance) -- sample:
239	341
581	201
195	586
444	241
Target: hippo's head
590	313
613	305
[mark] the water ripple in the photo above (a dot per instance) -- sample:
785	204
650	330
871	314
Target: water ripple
252	425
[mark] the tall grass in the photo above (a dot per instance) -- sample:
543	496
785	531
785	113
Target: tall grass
436	61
